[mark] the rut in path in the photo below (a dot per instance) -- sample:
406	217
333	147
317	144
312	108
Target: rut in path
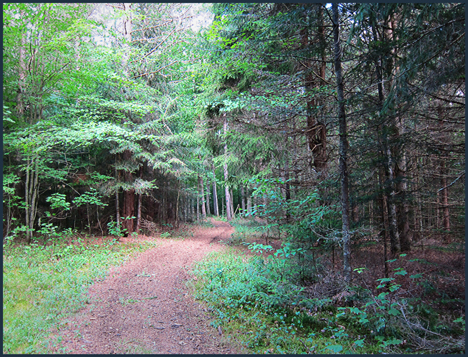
144	305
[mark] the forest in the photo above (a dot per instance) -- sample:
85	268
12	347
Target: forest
330	136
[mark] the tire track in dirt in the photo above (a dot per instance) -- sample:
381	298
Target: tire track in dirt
144	305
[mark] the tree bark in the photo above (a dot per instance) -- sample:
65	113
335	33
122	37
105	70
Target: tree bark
249	203
315	131
202	194
198	199
215	193
177	210
117	203
22	74
390	190
394	234
192	209
231	196
343	147
242	193
129	198
226	176
140	196
208	210
445	203
385	224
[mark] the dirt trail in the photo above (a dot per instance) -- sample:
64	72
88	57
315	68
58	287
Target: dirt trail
144	306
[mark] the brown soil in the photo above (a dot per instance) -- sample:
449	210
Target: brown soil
145	306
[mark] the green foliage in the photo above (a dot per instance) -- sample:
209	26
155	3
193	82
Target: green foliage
116	229
58	200
258	297
266	313
92	197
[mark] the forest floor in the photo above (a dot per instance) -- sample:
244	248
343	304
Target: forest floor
145	306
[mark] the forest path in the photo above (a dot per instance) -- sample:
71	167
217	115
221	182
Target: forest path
144	305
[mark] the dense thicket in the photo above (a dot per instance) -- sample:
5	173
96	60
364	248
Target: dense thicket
119	117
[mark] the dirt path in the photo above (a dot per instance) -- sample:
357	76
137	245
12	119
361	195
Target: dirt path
144	305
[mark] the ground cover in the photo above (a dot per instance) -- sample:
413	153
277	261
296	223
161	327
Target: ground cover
257	301
44	284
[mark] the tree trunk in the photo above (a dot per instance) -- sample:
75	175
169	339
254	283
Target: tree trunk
385	224
249	203
208	210
343	147
215	193
231	196
138	227
287	189
390	190
192	209
177	210
22	75
394	234
405	233
117	203
315	131
226	176
242	192
202	194
31	193
129	197
445	203
198	200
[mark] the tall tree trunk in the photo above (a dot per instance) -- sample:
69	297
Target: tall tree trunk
385	224
394	234
177	210
138	225
343	147
31	193
192	209
231	196
198	200
117	202
22	74
390	190
445	203
404	230
315	131
242	193
129	197
287	189
27	195
249	203
202	194
226	176
215	193
208	210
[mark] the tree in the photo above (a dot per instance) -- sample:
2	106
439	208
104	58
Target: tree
343	146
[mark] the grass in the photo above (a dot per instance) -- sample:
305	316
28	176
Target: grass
42	285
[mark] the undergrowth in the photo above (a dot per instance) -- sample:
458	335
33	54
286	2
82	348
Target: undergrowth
255	303
43	284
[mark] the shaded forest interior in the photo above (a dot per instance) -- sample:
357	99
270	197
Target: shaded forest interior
336	131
